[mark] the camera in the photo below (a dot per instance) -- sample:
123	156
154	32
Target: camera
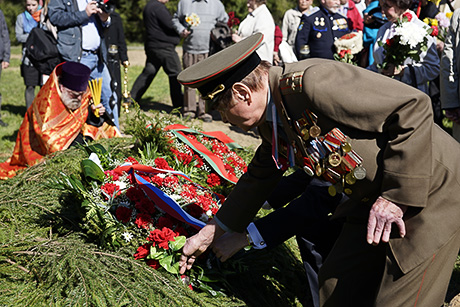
103	5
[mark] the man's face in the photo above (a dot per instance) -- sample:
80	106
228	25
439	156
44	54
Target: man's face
251	4
71	99
246	114
331	5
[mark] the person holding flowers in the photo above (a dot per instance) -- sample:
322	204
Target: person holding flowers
404	48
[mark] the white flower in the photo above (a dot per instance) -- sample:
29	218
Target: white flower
121	184
175	197
127	236
411	34
443	20
209	213
161	175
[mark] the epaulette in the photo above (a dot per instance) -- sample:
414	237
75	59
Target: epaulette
291	83
312	11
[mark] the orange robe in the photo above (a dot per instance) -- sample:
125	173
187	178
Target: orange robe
49	126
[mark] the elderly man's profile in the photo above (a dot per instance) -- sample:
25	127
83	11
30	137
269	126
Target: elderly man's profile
60	116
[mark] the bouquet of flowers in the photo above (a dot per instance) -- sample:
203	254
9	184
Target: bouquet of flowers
150	206
347	46
408	42
233	22
439	25
192	20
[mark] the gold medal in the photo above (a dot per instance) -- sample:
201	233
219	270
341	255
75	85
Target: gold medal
347	191
318	35
315	131
319	170
346	147
305	134
321	22
334	159
316	22
350	179
332	191
359	172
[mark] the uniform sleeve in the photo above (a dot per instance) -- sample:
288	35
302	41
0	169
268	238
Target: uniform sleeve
397	116
302	35
252	189
449	72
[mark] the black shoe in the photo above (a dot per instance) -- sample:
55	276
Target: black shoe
2	123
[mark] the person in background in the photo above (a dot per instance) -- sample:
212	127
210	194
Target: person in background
278	39
354	17
117	52
25	22
80	37
259	19
61	116
291	20
318	31
449	75
373	20
160	48
424	70
196	35
5	53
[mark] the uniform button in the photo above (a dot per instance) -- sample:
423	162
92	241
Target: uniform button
262	242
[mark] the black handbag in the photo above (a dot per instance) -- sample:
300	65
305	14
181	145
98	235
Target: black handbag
42	51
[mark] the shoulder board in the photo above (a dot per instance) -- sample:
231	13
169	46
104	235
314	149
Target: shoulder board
312	11
291	83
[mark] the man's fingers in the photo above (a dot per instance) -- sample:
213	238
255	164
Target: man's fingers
371	227
386	233
402	227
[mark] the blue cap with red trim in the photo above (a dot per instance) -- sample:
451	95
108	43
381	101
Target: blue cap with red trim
220	71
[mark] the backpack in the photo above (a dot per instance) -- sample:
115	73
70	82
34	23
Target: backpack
221	37
41	49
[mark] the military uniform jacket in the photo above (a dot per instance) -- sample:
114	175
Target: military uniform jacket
319	31
409	160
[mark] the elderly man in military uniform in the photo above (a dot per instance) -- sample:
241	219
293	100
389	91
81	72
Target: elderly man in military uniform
318	31
381	148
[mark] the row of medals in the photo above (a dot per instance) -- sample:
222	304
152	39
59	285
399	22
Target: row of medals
338	24
333	160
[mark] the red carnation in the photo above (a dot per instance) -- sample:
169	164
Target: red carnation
213	180
113	175
132	160
143	220
161	163
123	214
390	42
154	264
435	31
162	237
408	16
135	194
146	206
165	221
142	251
110	188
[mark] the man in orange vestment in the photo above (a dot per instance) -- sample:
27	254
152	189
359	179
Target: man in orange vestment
57	118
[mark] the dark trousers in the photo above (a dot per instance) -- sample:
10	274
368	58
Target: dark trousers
113	64
306	217
157	58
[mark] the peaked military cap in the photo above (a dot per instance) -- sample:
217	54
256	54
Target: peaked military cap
220	71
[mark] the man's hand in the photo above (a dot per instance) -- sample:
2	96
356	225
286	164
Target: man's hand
229	244
5	65
383	213
100	107
197	244
391	70
185	33
91	8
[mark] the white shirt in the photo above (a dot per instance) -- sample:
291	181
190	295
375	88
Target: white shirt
260	21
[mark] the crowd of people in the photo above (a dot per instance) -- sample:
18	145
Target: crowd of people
398	174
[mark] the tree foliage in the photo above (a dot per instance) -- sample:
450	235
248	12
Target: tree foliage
131	13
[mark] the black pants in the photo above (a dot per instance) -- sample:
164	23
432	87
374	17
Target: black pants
157	58
306	217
